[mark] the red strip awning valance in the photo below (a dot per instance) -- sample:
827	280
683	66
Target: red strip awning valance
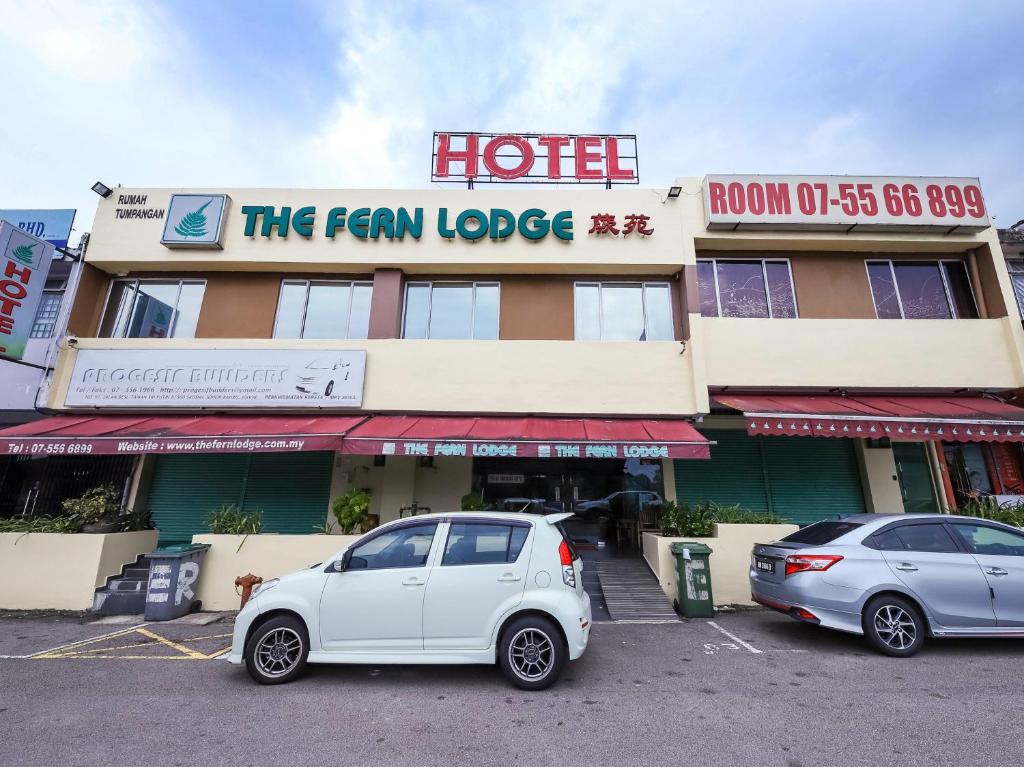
910	418
128	434
529	437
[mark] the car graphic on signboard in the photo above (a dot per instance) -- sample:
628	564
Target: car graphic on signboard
321	374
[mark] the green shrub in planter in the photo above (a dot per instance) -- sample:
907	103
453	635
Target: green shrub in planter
699	520
473	502
231	520
352	509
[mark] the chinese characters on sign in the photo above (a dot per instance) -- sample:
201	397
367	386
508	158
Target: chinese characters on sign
605	223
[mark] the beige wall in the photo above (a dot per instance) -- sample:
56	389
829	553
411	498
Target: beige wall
880	482
730	559
268	556
54	571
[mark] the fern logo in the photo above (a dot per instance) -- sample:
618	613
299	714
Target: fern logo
23	253
193	224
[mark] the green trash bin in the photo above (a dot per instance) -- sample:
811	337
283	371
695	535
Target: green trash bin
694	588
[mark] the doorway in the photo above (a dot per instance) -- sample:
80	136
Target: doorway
915	476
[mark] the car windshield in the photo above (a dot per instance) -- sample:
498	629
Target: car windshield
821	532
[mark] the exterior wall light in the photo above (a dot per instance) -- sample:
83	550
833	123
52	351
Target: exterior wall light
102	189
674	191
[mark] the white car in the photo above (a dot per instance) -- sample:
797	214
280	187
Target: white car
461	587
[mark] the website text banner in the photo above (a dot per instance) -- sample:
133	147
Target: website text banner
193	378
895	203
43	446
514	449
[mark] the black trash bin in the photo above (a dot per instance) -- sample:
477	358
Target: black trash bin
173	575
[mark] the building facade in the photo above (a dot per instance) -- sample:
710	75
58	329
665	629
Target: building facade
595	351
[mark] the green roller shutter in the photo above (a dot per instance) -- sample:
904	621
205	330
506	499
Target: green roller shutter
812	478
291	489
799	479
733	475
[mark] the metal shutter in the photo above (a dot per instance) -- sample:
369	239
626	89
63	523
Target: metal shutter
812	478
186	488
734	475
292	490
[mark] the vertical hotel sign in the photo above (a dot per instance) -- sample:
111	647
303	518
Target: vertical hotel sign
25	262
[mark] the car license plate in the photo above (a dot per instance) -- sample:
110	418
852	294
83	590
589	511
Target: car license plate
765	564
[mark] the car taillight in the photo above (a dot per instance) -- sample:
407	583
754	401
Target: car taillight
801	563
568	571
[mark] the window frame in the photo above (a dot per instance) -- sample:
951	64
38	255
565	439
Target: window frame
59	292
953	314
350	552
474	284
964	541
136	282
512	523
1015	268
644	285
305	304
763	260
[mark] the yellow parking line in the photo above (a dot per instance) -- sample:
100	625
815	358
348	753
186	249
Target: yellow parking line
80	648
195	654
83	642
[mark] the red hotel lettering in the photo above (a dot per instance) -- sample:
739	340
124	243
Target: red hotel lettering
554	146
611	160
491	156
445	154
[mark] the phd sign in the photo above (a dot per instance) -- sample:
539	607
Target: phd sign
25	262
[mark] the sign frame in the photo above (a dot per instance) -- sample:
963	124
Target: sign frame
182	241
21	292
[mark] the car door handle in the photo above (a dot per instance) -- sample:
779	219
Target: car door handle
509	578
414	581
995	571
907	567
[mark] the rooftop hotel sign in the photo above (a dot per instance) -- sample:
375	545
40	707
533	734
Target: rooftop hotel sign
845	203
534	158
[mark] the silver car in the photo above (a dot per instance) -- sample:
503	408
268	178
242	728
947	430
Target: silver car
897	578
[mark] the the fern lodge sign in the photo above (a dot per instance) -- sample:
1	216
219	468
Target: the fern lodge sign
195	220
25	263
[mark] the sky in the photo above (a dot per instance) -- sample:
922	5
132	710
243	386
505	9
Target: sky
218	93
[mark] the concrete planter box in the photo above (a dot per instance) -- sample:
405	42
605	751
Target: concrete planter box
730	560
60	571
267	555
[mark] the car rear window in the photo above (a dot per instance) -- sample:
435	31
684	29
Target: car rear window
821	532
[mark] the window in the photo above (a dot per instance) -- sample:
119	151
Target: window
484	544
624	311
404	547
745	288
928	538
921	290
321	309
1016	267
452	310
994	541
821	532
46	314
152	309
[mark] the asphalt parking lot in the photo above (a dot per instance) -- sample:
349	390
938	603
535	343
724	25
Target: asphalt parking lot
750	687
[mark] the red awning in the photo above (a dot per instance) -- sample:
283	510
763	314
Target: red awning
127	434
531	437
951	419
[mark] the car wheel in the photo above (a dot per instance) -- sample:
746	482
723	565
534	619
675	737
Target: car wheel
276	652
531	653
329	389
894	626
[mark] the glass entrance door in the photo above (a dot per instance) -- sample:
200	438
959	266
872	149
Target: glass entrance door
915	477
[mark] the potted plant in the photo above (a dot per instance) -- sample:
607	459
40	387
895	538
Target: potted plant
473	501
352	509
96	510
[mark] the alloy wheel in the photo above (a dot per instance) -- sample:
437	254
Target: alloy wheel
278	652
895	627
531	654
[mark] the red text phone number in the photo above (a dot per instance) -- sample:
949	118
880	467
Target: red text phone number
815	198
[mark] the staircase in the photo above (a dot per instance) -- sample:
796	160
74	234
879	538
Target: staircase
124	594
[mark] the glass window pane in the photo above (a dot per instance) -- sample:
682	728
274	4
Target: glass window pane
588	313
926	538
417	302
883	290
658	302
405	547
741	288
960	289
622	312
46	315
485	317
991	541
119	307
706	288
780	288
327	310
290	305
359	319
921	291
1017	280
153	312
470	544
451	311
190	300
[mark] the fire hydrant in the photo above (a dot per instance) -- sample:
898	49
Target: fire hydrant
246	582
